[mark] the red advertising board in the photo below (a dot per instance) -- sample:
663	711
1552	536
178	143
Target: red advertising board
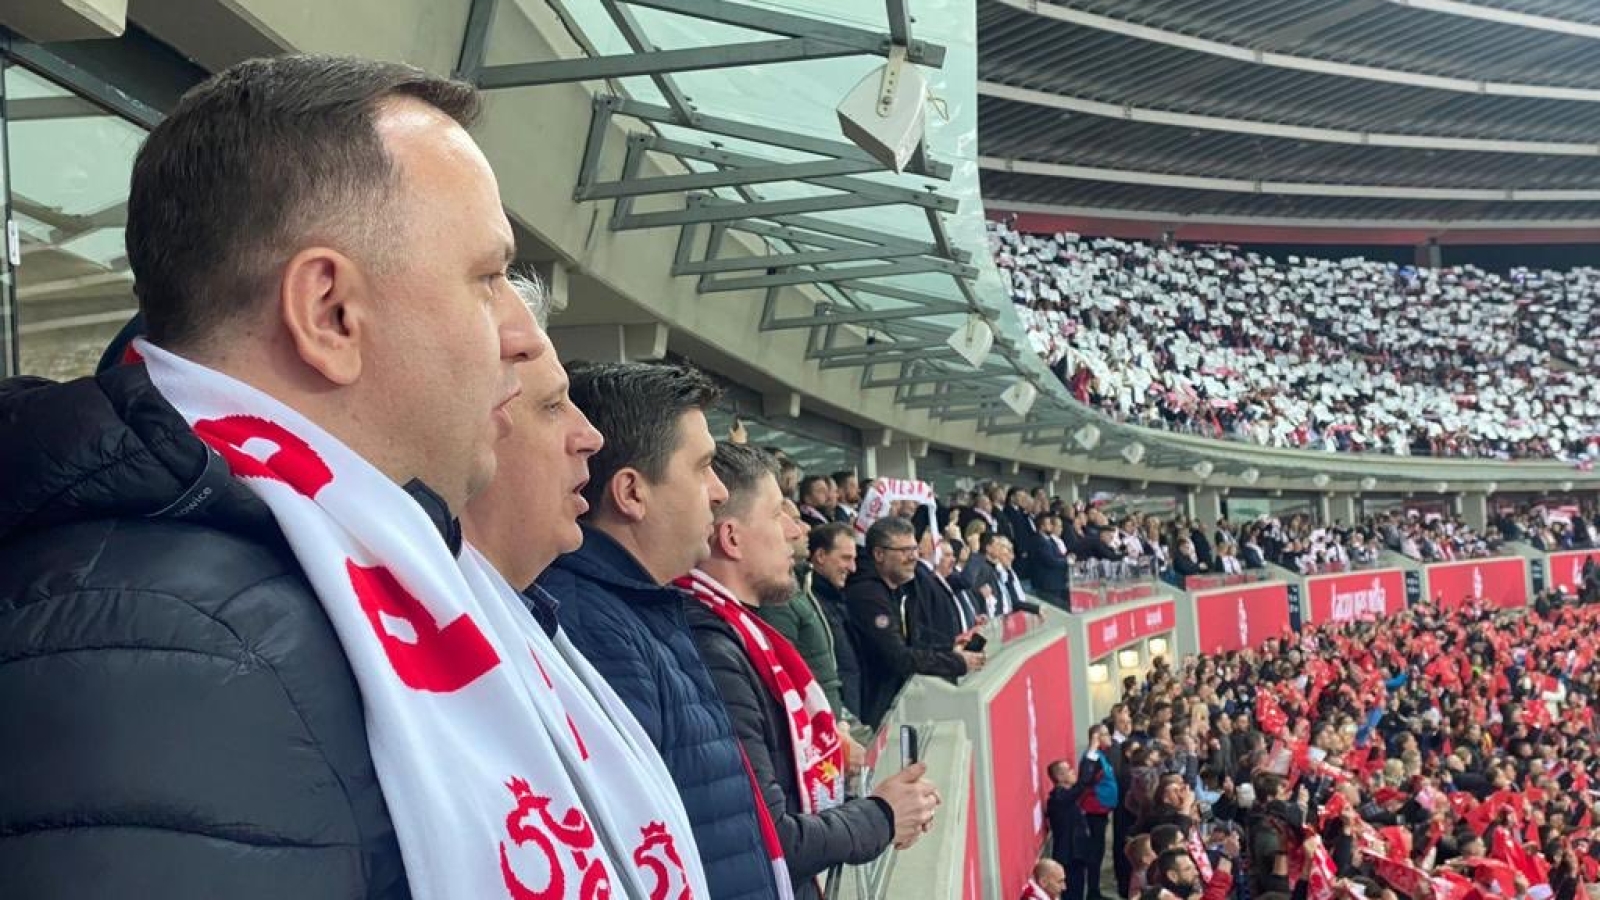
1016	625
1122	627
1565	569
1029	727
971	866
1498	582
1355	595
1235	618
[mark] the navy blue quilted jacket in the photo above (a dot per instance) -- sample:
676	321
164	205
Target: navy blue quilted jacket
634	633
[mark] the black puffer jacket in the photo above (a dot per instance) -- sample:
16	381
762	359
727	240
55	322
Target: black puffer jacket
176	716
855	833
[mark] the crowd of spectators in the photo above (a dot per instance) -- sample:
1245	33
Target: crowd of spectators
1350	356
1434	755
1550	530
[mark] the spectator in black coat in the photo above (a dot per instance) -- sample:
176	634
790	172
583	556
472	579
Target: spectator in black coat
181	719
650	498
750	559
875	596
1069	830
1202	546
1050	563
1024	534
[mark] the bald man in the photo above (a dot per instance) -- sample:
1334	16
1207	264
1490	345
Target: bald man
1047	883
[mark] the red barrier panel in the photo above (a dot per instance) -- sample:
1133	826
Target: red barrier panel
1358	595
1086	598
1016	625
1212	582
1029	727
1116	630
972	866
1236	618
1565	569
1498	582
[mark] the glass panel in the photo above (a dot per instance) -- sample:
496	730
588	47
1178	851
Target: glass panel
813	456
70	165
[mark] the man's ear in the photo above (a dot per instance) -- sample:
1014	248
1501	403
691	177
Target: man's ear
727	539
629	492
326	306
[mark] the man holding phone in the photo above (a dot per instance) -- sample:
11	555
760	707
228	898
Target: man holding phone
1099	799
779	712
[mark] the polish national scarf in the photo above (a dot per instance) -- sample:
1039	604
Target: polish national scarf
507	764
886	491
819	755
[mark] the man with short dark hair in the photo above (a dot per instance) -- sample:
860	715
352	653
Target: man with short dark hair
816	500
650	497
876	596
247	653
1099	797
782	718
849	488
1069	830
832	562
805	620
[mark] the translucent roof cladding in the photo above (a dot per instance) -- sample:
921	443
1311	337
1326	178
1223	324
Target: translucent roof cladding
801	97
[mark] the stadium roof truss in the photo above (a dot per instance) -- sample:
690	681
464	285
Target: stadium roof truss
722	191
1419	113
800	196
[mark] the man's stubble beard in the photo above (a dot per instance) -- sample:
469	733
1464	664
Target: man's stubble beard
777	592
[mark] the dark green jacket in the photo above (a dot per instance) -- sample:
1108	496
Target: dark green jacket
802	622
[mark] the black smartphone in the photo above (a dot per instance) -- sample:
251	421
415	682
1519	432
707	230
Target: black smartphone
976	643
910	746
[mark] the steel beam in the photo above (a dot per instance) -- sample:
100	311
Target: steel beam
762	135
926	199
852	317
694	59
720	212
938	377
863	235
885	358
869	349
773	22
633	33
700	181
709	285
789	260
1025	426
473	44
946	397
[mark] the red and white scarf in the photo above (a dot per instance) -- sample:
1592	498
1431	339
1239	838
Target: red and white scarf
1033	891
819	756
509	767
886	491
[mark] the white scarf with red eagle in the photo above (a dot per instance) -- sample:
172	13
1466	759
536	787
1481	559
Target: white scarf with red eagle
509	767
819	755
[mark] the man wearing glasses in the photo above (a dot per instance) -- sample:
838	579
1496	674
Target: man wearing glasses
876	597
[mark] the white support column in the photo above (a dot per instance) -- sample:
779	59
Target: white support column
898	460
1324	506
1474	508
1205	504
1344	509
